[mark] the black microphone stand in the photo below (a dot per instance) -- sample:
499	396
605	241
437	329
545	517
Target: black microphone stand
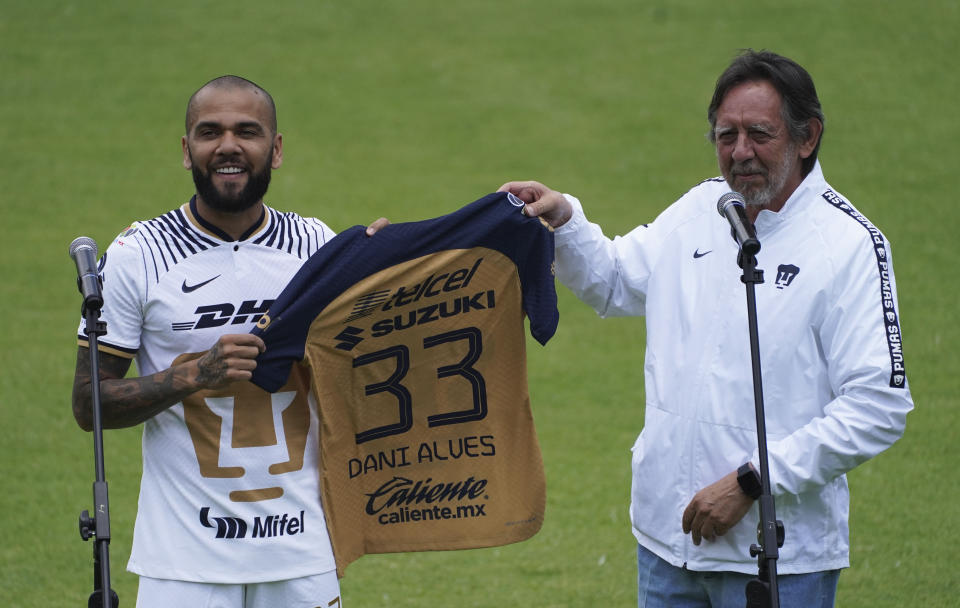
99	524
761	592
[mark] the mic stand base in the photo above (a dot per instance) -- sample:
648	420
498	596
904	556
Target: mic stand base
96	599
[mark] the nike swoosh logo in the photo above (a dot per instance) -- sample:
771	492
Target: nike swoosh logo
697	254
188	288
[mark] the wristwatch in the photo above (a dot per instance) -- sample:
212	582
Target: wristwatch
749	481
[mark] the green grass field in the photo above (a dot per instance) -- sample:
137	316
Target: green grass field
409	109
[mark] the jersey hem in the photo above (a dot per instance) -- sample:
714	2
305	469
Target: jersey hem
232	578
750	567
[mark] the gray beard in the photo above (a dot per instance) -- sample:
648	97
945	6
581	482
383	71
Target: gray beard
762	197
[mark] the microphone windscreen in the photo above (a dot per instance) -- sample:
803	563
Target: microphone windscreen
730	198
83	242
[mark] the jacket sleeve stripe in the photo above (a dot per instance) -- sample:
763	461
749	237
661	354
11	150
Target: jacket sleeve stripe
891	320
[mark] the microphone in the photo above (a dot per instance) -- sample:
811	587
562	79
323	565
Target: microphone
83	250
731	206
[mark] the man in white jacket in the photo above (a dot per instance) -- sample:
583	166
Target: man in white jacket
833	371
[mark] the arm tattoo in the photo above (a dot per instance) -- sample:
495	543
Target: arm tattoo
211	369
124	401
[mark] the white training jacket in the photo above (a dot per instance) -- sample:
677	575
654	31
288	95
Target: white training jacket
834	387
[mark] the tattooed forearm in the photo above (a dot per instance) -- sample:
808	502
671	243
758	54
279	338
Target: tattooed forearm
130	401
125	401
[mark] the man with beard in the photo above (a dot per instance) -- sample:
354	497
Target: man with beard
229	511
833	370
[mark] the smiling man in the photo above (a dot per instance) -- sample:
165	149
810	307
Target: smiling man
762	151
231	145
229	511
834	379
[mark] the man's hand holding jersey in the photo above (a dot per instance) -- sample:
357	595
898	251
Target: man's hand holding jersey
541	201
232	358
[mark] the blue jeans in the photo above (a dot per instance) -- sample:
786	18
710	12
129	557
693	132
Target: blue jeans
660	585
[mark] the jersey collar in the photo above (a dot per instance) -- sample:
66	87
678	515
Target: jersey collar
216	232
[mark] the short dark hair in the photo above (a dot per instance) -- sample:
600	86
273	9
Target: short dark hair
800	101
232	82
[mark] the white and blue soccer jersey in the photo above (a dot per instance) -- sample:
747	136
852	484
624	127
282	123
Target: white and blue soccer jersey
415	342
229	492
